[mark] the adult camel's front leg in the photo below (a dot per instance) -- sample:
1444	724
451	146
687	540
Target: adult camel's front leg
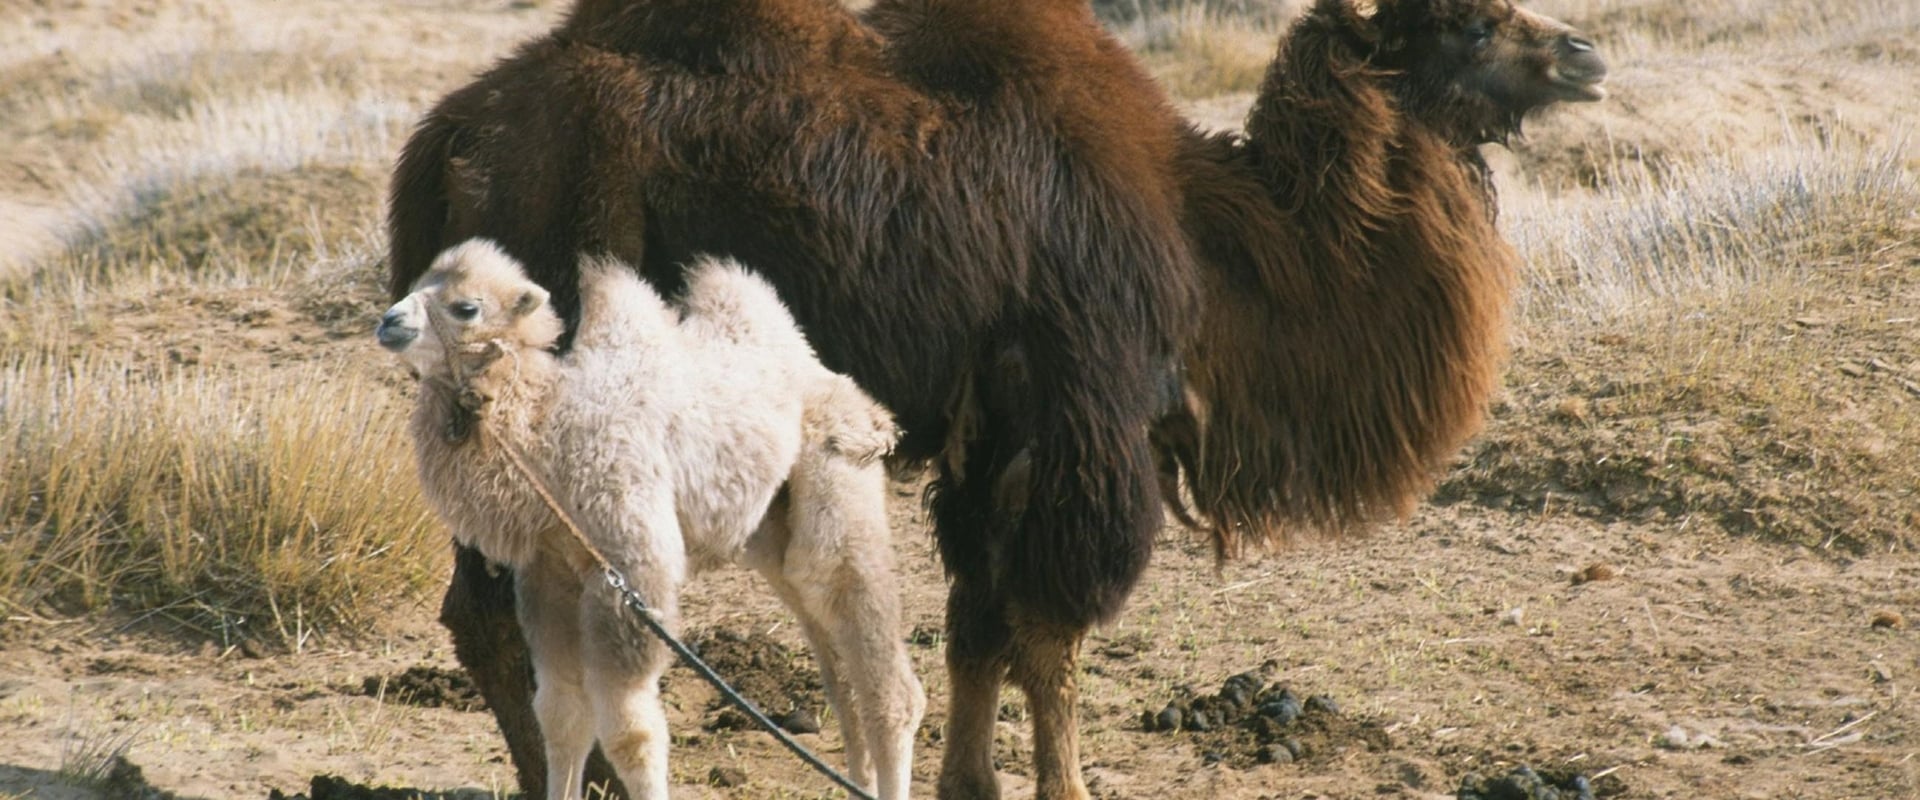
478	611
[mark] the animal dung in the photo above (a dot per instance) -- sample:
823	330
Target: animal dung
1523	783
1250	722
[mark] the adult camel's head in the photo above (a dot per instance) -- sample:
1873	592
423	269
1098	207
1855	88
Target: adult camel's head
1474	69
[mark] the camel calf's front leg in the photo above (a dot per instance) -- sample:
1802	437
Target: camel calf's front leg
479	614
548	607
623	676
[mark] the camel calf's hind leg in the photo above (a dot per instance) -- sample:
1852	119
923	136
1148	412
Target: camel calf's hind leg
835	570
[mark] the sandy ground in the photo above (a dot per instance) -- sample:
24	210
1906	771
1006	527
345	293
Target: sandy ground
1705	667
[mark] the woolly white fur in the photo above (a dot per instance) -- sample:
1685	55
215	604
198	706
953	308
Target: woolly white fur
667	433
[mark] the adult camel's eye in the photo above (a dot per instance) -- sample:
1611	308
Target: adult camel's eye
1478	33
464	310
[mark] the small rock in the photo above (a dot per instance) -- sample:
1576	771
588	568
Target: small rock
727	777
798	720
1888	620
1880	672
730	719
1200	722
1212	757
1168	718
1594	573
1294	748
1514	616
1274	754
1674	739
252	649
1323	703
1283	710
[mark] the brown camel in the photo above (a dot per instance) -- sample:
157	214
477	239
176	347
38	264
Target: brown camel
981	210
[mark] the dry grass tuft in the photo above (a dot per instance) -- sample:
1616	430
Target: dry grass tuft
1197	52
1636	28
1708	233
282	504
248	223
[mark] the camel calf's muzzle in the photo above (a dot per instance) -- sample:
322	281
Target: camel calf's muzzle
396	331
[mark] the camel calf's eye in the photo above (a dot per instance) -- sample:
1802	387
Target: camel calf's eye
464	310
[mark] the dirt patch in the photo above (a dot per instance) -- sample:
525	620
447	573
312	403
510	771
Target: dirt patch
1249	722
1703	449
329	787
125	781
775	678
427	687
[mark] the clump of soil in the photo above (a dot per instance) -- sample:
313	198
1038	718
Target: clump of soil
766	672
125	781
1704	448
329	787
427	687
1249	721
1525	784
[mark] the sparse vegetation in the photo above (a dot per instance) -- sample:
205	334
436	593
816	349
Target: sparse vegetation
1712	344
272	503
88	759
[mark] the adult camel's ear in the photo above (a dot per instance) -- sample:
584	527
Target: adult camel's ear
530	300
1362	20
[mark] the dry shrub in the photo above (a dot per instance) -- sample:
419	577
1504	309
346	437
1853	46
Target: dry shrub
285	501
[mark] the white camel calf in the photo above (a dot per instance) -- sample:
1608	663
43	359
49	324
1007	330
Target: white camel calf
668	432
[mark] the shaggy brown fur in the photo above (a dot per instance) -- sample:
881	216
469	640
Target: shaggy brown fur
1357	289
972	207
966	204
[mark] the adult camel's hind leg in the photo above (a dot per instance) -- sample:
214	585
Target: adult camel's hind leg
478	612
978	644
1045	665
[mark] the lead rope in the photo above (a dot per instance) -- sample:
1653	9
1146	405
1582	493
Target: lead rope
632	600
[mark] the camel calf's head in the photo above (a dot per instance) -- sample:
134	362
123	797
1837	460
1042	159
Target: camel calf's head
474	304
1477	67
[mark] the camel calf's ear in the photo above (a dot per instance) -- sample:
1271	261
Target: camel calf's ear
529	300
